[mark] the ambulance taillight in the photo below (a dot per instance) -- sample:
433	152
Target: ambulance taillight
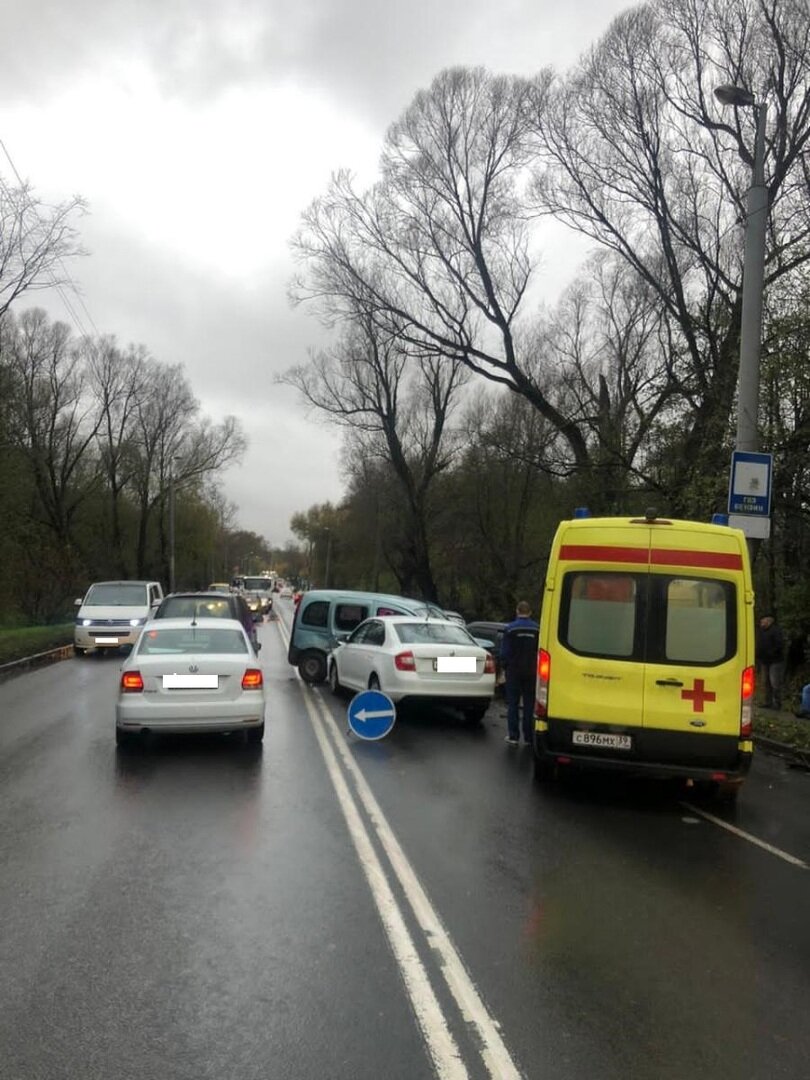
747	703
543	676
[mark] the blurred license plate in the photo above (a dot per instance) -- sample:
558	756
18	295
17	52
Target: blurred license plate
455	664
190	682
602	738
106	641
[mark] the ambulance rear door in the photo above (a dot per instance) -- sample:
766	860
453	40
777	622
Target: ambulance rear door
696	623
598	638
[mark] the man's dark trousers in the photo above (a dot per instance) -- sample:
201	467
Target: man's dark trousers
520	704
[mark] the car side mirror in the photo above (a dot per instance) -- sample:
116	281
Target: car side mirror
258	647
78	603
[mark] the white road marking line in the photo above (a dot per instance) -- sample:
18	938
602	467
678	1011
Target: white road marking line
747	836
441	1045
496	1057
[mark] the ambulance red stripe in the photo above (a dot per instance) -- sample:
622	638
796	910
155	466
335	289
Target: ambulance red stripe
602	553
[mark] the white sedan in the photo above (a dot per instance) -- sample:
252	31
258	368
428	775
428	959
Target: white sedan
416	659
191	675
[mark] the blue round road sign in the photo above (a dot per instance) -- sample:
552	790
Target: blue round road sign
371	714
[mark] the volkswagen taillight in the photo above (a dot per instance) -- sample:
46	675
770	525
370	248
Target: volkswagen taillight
252	679
489	665
543	677
132	682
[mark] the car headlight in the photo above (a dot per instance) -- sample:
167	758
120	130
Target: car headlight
87	622
137	622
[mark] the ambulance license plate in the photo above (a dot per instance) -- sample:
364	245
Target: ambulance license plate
602	739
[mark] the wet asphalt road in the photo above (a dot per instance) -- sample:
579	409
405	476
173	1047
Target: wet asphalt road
195	909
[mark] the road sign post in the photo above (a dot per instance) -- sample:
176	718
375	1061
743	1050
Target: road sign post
371	715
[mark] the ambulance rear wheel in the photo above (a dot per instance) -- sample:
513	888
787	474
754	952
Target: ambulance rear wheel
726	792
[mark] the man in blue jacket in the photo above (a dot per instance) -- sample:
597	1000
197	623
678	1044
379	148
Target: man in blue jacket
519	659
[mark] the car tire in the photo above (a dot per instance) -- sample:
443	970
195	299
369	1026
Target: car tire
334	681
79	651
475	716
124	739
255	734
374	682
312	667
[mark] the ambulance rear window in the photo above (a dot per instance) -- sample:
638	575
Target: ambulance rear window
599	614
699	626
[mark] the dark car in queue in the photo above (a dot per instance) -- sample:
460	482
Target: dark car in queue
483	630
209	605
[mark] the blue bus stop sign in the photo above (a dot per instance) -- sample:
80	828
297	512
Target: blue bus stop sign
371	714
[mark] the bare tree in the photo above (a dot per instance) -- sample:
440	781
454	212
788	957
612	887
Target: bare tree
398	409
438	253
635	152
118	380
34	240
52	420
170	439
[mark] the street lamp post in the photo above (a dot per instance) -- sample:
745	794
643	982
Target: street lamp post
756	218
171	527
328	558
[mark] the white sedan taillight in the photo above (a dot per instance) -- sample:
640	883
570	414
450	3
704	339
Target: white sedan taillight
405	661
132	682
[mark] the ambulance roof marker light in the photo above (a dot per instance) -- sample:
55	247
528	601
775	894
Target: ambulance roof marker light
581	512
650	514
719	519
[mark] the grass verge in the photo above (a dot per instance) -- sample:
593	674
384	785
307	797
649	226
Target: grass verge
27	640
783	728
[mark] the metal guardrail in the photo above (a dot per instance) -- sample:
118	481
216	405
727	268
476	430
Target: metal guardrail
62	652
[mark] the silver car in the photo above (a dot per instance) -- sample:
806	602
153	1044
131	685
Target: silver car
191	675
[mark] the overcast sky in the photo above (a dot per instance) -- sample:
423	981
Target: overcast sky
197	131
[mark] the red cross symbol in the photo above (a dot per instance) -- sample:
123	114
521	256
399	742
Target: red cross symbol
697	695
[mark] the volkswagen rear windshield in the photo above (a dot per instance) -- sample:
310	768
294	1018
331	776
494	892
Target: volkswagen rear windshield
124	594
191	640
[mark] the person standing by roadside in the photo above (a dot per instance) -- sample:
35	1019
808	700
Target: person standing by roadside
771	661
519	659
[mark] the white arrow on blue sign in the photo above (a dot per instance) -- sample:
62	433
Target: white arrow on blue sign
371	714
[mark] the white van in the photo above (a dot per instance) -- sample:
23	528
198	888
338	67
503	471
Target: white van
112	614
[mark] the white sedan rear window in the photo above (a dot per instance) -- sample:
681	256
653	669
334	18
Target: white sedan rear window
191	640
422	633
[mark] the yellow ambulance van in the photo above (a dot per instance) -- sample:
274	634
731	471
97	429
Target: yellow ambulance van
646	651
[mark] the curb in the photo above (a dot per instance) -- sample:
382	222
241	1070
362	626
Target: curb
793	754
13	667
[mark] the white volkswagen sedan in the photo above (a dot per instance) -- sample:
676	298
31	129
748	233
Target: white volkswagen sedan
416	659
191	675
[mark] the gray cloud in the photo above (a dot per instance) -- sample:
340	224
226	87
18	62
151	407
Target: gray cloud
372	56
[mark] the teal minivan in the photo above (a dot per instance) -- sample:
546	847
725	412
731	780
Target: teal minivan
327	616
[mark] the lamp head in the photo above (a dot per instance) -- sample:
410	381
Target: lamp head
734	95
